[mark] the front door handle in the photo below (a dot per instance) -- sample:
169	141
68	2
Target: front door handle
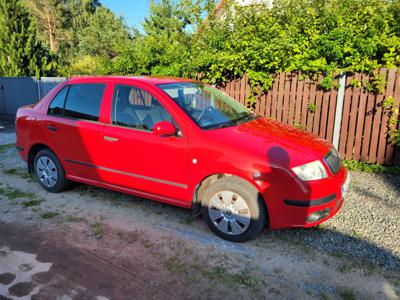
52	127
110	139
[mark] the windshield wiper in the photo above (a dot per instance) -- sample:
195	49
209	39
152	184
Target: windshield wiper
221	125
245	118
233	122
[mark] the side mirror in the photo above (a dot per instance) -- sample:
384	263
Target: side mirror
164	128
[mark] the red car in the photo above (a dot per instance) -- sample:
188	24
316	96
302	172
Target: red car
183	143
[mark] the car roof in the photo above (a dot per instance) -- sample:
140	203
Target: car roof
153	80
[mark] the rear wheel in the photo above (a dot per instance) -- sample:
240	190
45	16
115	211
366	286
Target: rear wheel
49	172
233	209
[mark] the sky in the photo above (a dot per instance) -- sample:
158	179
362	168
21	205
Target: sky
133	11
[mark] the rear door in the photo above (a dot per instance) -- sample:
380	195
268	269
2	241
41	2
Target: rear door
74	127
138	159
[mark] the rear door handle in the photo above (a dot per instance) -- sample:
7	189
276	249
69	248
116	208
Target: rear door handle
52	128
110	139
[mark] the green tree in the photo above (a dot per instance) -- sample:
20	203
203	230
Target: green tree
74	16
46	15
165	47
21	53
104	45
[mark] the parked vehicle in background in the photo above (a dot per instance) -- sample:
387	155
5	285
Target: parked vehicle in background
183	143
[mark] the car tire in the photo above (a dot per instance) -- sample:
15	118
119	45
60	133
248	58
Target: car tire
234	209
49	171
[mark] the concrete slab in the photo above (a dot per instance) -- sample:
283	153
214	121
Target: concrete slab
7	134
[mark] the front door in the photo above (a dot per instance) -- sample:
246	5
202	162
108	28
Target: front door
138	159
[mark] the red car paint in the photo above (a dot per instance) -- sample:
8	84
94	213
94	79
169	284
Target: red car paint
169	169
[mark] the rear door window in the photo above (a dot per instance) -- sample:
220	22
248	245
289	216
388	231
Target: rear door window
84	101
56	106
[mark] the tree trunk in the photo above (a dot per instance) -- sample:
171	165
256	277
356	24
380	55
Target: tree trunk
53	41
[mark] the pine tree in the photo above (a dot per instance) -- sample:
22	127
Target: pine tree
21	53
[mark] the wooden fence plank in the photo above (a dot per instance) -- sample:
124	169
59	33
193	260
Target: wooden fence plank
268	104
304	104
261	105
286	99
372	157
292	98
299	100
228	88
324	114
281	93
331	115
396	161
383	135
390	147
318	107
360	122
310	114
236	91
274	98
369	113
247	93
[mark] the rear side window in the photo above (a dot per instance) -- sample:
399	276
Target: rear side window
56	106
84	101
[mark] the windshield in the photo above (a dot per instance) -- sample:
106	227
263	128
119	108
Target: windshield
207	106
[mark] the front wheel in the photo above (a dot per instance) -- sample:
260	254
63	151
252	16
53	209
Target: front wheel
233	209
49	171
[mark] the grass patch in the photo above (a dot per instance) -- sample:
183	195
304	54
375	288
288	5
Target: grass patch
243	277
129	237
11	171
174	266
348	294
220	273
97	229
147	244
186	220
19	173
73	219
31	203
354	165
14	193
48	215
4	148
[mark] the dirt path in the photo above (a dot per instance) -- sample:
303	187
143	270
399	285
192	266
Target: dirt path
106	244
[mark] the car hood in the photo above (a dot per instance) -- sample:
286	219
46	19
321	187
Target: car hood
270	138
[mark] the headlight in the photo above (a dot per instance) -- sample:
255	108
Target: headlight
311	171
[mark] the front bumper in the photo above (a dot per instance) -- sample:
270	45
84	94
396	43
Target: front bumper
321	201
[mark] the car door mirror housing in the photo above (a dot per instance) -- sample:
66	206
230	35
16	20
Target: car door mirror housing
164	128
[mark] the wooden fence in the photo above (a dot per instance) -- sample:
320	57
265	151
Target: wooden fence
357	117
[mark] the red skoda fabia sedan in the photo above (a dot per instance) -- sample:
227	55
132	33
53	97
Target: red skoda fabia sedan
184	143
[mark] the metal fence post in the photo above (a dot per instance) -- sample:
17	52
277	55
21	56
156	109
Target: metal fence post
339	110
38	84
